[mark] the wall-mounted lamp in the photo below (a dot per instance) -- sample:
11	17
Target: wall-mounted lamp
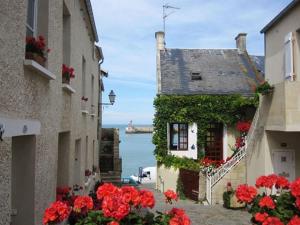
112	98
193	147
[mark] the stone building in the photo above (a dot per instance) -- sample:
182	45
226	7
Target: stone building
204	72
109	156
48	132
276	148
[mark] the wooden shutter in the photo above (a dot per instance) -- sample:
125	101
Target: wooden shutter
288	56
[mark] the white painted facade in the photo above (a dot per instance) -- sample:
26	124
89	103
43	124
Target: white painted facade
192	150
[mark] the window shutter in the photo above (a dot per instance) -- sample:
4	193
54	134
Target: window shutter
288	56
168	135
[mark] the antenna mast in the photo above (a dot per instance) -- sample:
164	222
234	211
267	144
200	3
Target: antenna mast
166	7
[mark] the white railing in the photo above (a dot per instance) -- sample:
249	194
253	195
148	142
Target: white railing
217	174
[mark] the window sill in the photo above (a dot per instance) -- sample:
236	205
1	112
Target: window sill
42	71
93	115
68	88
84	112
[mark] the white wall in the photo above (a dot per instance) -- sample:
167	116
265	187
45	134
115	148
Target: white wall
192	140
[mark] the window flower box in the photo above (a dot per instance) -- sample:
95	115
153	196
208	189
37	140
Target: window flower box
67	74
36	49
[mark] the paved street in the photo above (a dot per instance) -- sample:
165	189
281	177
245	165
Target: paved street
203	215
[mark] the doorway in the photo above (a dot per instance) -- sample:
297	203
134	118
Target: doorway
214	142
22	185
77	162
284	163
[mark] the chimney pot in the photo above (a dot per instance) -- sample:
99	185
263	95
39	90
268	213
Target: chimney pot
241	42
160	40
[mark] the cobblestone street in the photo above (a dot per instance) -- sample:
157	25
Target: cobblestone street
203	215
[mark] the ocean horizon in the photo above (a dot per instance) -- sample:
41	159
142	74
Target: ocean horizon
136	150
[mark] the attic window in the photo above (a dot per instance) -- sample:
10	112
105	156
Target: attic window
196	76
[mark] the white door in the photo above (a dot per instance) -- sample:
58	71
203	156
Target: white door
284	163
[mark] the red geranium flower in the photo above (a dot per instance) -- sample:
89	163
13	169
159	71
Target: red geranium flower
294	221
295	188
179	217
272	221
113	223
57	212
106	189
130	195
282	182
261	217
245	193
267	202
83	203
147	199
170	195
298	202
243	126
266	181
114	207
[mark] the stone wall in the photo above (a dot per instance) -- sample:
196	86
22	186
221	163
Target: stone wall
28	96
236	176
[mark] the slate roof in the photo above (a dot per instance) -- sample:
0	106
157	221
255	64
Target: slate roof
223	71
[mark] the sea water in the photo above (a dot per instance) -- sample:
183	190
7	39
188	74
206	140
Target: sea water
136	150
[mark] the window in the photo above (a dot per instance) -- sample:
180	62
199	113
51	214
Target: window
288	56
178	136
196	76
31	18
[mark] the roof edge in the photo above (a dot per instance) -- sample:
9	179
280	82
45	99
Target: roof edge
280	15
92	19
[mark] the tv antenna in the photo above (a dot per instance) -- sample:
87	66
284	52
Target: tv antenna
167	7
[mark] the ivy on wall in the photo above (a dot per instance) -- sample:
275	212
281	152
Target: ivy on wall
199	109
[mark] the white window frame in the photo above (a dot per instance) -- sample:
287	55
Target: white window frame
289	44
34	28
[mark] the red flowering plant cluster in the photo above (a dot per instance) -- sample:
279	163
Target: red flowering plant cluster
67	73
243	128
118	206
65	195
37	46
209	164
273	200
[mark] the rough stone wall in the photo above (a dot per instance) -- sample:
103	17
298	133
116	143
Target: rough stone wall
236	177
26	95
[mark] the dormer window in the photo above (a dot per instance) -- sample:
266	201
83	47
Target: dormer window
196	76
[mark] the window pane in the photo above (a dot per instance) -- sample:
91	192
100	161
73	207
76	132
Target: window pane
174	133
30	13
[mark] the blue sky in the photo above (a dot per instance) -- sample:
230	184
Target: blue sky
126	31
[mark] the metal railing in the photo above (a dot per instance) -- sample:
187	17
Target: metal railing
213	177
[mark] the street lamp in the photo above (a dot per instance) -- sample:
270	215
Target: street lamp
112	98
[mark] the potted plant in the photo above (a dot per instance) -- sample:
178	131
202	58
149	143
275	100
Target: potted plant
264	88
67	74
230	200
36	49
111	205
274	200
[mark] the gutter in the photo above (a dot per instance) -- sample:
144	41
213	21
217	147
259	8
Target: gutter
92	19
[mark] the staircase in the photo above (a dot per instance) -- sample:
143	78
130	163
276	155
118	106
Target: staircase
213	177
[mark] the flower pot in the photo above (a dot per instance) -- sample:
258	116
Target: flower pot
235	204
66	79
36	57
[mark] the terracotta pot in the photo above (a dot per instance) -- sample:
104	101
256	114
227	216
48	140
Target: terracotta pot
36	57
235	204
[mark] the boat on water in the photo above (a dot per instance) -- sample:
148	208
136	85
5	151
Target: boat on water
130	129
146	175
